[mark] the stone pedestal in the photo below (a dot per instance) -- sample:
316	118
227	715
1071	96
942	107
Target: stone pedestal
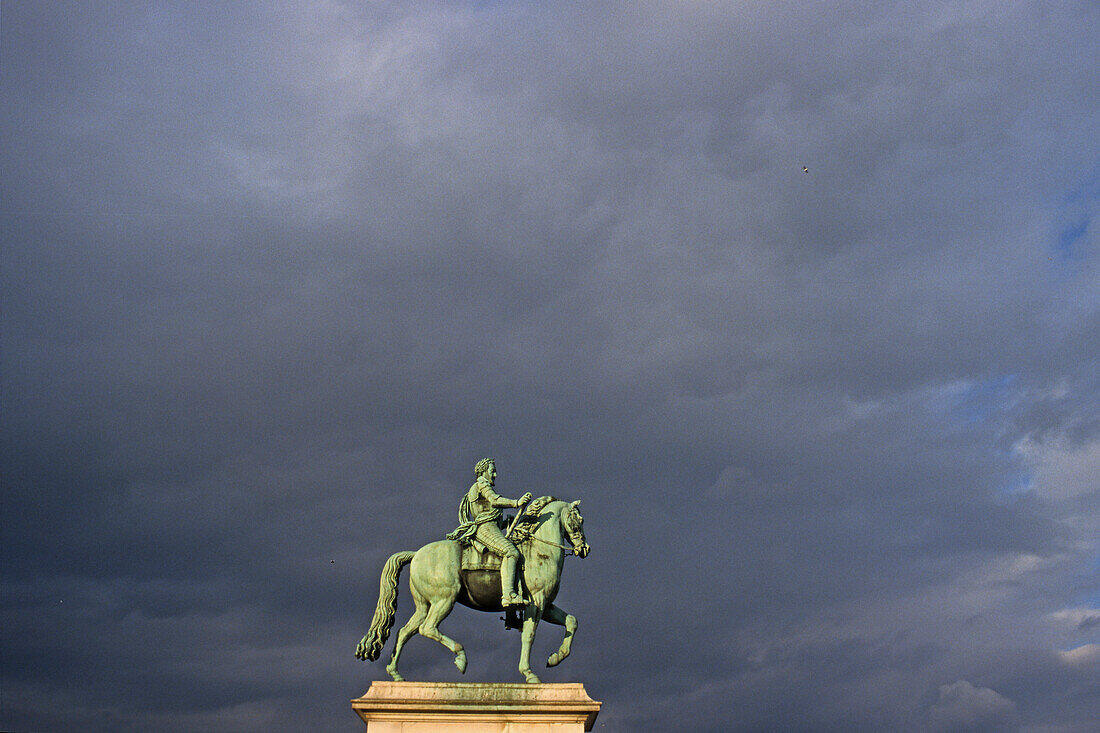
463	707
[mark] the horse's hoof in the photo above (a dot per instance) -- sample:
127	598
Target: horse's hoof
555	659
532	678
396	676
460	661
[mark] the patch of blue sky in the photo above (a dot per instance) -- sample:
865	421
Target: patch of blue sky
1017	484
1070	239
1087	191
985	399
1091	598
1077	210
1088	593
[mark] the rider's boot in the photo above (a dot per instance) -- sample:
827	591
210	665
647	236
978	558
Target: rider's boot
508	583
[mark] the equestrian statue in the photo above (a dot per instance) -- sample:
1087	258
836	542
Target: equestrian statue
486	565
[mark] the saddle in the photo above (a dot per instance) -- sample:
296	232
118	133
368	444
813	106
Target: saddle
475	561
476	556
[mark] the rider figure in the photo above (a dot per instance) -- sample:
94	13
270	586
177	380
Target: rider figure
479	518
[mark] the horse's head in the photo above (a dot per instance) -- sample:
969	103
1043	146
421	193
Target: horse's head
573	524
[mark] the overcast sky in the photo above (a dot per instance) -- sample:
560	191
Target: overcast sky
802	300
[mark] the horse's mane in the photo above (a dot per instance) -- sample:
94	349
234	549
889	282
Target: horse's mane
534	509
529	519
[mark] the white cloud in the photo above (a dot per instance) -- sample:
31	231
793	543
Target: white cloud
1077	618
964	708
1084	656
1063	471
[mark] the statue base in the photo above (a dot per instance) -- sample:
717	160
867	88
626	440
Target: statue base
454	707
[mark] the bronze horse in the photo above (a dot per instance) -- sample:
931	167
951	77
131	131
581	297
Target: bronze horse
437	582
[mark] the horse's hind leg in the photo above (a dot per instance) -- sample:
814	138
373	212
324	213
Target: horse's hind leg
430	628
555	615
407	631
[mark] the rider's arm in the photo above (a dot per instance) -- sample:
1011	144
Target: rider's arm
498	501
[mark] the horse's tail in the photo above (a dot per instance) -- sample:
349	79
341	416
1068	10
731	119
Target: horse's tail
387	604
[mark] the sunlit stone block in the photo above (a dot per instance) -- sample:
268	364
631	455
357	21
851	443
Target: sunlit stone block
454	707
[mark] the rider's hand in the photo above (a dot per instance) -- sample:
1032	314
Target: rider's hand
524	499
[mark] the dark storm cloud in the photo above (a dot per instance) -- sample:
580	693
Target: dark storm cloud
274	278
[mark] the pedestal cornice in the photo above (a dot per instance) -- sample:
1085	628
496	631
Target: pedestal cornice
399	707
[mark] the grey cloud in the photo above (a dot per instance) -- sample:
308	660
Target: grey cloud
271	276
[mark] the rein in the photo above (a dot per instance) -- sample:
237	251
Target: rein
530	535
570	550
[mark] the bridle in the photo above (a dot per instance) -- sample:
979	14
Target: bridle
569	550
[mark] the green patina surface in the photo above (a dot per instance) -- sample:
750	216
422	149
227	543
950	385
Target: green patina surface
532	552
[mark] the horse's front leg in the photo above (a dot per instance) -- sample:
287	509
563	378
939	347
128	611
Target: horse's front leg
555	615
531	616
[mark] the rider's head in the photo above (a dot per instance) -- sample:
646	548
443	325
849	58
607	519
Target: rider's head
484	466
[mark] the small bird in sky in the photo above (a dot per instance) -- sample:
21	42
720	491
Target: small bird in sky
805	169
